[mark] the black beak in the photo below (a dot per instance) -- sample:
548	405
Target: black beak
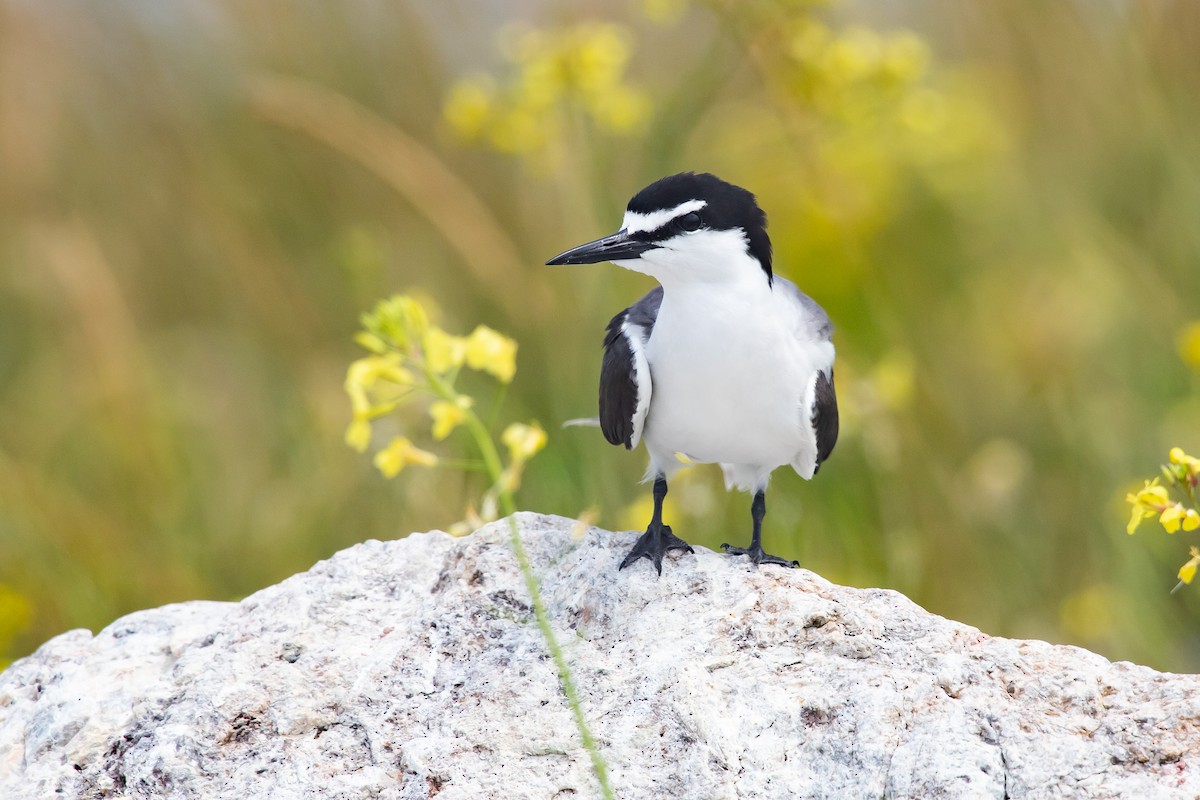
611	248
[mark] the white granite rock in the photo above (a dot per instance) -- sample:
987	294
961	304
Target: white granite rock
414	668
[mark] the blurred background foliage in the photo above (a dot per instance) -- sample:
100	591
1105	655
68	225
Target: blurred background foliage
997	202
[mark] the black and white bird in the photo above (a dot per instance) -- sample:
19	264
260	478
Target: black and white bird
725	362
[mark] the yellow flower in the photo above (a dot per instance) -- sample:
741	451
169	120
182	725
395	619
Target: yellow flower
492	352
447	416
399	318
1181	458
1188	571
365	373
552	74
399	453
1135	518
1176	516
540	83
358	434
1151	500
598	56
523	441
852	56
370	341
444	352
469	105
1171	517
1152	495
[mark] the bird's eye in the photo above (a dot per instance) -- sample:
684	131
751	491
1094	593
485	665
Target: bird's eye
689	222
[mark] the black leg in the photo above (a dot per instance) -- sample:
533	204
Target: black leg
758	510
657	539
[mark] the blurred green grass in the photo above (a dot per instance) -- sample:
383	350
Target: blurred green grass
198	200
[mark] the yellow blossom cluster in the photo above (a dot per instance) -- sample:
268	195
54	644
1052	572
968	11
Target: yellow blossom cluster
555	75
872	111
879	85
1182	475
412	357
857	55
1153	500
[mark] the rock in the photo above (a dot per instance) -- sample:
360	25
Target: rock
414	668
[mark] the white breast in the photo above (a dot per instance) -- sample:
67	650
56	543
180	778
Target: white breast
731	377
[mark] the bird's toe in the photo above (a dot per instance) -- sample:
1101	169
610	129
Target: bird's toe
654	544
757	556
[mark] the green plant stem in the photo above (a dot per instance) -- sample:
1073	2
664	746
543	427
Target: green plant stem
495	468
599	766
497	403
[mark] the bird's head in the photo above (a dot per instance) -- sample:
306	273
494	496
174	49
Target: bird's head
690	227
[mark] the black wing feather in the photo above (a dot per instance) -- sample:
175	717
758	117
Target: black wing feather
618	388
618	374
825	416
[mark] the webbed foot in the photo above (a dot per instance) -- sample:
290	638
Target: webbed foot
653	544
757	556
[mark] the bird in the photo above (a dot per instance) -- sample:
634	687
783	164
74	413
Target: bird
723	362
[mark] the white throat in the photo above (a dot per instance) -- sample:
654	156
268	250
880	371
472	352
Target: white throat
704	257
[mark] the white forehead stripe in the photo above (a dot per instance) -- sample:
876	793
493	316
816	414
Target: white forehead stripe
641	223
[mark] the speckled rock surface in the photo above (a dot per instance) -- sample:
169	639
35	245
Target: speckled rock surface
413	669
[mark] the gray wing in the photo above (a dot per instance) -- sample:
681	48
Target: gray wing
625	385
812	323
814	327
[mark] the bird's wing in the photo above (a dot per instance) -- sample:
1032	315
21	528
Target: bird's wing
625	385
810	322
813	328
824	416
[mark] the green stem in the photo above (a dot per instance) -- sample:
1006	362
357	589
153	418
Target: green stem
599	767
497	403
483	439
495	468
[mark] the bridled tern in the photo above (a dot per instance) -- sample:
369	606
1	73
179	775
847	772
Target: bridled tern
724	362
